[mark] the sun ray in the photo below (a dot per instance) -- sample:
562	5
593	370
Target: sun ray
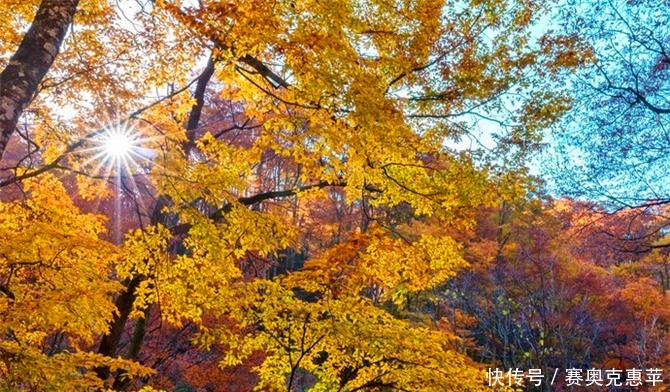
121	148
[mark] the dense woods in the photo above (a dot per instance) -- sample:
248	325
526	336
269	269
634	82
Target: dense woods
332	195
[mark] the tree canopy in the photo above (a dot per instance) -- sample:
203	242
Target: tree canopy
305	195
616	134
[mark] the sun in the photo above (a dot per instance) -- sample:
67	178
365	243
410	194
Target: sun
121	149
118	144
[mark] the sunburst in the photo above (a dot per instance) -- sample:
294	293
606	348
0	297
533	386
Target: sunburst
118	145
120	148
119	154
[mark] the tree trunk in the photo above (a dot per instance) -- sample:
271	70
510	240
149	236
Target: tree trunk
37	51
124	303
110	341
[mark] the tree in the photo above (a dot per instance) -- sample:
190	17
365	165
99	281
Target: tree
617	131
33	58
613	142
292	102
56	291
555	289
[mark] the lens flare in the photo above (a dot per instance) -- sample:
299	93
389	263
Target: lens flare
120	148
117	157
118	145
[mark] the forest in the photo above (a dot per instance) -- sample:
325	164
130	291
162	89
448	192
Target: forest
334	195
